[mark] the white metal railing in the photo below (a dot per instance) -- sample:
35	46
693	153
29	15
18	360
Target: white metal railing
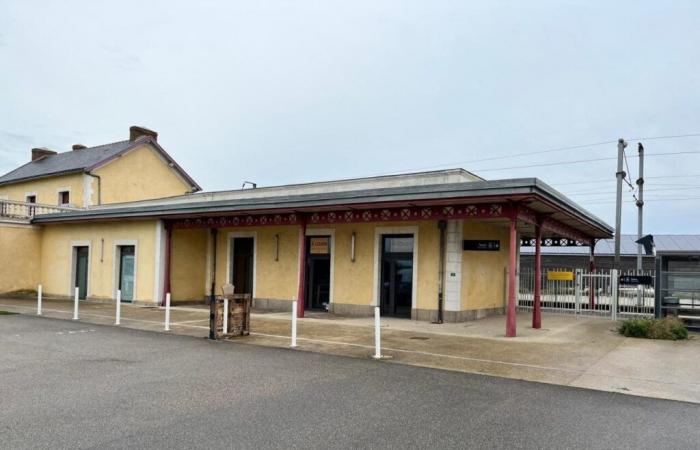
23	210
596	293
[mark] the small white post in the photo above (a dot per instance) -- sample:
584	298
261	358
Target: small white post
225	316
117	320
167	311
38	301
75	304
294	324
377	335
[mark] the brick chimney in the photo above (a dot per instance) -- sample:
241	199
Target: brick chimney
78	146
38	153
136	132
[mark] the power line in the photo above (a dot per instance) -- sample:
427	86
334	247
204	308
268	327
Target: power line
530	153
661	199
612	180
646	190
580	161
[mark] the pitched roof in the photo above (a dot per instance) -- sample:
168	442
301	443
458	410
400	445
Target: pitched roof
662	242
84	160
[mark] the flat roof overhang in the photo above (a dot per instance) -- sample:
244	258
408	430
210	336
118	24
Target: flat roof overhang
536	202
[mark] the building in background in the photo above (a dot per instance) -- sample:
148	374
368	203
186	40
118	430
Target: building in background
558	257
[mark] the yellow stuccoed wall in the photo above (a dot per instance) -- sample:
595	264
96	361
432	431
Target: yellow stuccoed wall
137	175
56	257
20	257
273	279
353	282
188	264
483	273
46	189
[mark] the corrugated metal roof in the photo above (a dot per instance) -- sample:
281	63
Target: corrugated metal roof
67	162
663	243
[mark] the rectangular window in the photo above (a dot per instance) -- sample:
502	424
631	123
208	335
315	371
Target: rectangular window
31	198
64	198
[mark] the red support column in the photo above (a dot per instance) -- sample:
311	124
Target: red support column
592	283
301	293
168	247
512	267
536	306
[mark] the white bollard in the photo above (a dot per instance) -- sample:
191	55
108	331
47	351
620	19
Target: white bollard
38	301
167	311
294	324
377	335
118	315
75	304
225	316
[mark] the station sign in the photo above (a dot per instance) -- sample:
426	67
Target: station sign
319	246
646	280
481	245
560	275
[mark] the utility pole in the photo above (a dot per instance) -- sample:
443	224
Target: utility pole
640	206
621	144
640	218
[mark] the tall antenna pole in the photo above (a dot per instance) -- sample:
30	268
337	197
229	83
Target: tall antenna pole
621	144
640	206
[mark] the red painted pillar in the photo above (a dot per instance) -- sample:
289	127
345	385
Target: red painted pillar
168	247
301	293
512	267
536	307
592	283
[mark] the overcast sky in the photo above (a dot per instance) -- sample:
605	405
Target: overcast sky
291	91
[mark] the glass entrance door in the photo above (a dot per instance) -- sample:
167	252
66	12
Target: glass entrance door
127	266
81	271
397	275
318	272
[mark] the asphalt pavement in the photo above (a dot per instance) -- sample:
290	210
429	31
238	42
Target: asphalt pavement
67	384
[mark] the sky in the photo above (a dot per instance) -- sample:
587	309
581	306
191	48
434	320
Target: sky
280	92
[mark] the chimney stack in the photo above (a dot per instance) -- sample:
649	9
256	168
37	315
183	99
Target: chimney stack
78	146
136	132
38	153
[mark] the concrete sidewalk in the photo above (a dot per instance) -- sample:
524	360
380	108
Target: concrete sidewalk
583	352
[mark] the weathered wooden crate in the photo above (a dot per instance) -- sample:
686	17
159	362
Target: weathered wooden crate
238	316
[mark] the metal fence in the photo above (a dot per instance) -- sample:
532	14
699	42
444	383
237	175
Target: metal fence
577	291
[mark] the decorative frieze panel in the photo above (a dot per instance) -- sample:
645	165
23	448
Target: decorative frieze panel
568	236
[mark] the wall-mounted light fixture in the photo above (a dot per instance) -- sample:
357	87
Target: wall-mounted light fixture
277	247
352	247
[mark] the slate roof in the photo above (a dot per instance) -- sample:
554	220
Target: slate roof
81	161
664	243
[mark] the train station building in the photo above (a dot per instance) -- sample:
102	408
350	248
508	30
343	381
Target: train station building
433	246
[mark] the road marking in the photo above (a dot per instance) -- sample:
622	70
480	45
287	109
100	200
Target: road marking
102	316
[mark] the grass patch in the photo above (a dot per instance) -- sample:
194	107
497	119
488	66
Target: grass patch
668	328
6	313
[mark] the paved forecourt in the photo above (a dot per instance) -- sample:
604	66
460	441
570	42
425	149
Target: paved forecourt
70	384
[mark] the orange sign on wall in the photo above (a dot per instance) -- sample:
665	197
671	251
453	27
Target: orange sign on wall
319	246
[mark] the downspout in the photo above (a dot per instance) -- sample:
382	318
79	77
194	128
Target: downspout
214	233
99	187
442	226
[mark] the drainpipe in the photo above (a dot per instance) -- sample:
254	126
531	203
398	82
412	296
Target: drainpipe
442	226
99	187
214	233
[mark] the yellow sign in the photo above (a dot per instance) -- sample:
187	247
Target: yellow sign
560	276
319	246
